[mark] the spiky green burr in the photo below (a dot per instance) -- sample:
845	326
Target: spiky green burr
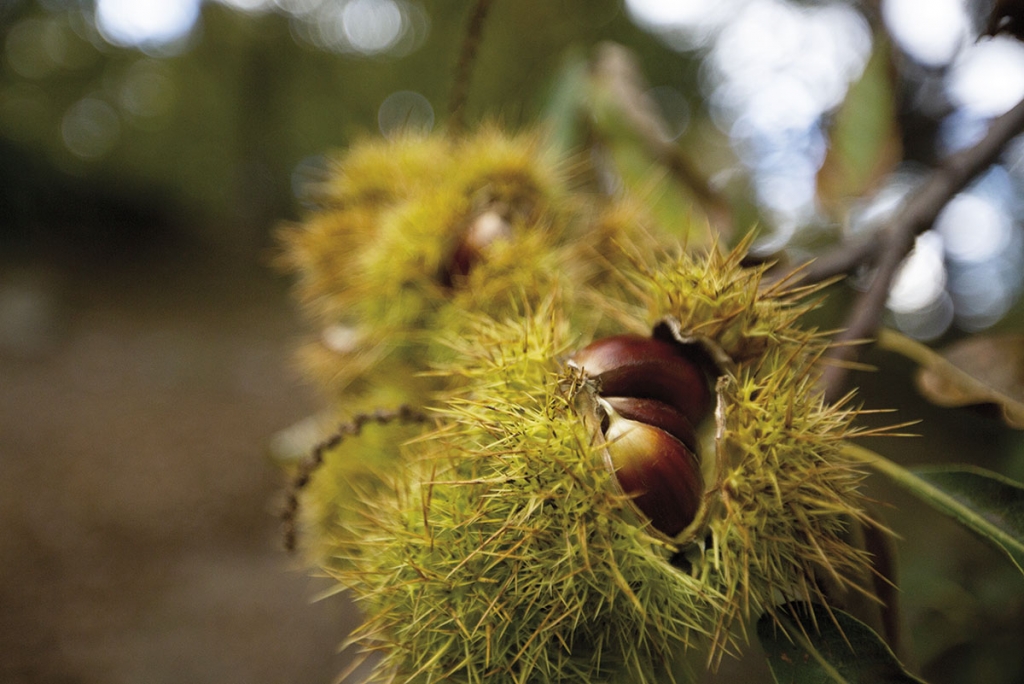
383	274
506	553
504	550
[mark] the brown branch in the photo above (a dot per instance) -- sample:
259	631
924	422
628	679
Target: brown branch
841	260
403	414
467	57
916	216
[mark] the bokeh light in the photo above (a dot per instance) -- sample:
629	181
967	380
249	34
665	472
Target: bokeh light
982	295
90	128
26	49
405	111
372	26
772	72
929	322
369	28
771	75
870	214
353	27
146	24
249	5
930	31
147	94
987	78
921	279
973	229
775	69
683	25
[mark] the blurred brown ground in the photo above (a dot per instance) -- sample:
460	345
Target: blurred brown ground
139	541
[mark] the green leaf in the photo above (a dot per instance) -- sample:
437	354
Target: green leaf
983	369
563	113
811	644
988	504
864	141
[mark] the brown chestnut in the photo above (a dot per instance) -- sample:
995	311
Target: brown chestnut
658	414
657	470
647	368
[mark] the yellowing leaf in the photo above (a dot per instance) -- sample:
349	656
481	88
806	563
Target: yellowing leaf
984	369
864	141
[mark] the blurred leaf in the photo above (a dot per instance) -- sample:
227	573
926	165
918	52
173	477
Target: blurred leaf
988	504
810	644
563	110
978	370
864	141
628	123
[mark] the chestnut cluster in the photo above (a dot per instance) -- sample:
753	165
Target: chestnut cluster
653	395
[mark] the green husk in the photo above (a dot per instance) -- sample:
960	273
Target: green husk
503	551
370	262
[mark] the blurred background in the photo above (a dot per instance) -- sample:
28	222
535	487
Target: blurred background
149	148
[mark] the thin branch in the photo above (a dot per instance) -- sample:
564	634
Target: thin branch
916	216
467	57
403	414
842	260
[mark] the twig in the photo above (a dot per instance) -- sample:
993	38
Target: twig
403	414
842	260
460	84
916	216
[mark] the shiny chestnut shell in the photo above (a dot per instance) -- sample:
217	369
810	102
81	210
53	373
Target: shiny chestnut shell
653	393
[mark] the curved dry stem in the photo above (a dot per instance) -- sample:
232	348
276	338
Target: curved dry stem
403	414
464	67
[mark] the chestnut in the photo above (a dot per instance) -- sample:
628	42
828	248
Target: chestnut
658	414
657	470
653	395
647	368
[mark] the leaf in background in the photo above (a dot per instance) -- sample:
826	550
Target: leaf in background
979	370
627	122
563	108
810	644
987	503
864	140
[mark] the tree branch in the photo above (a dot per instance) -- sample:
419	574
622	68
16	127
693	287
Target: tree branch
916	216
467	57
